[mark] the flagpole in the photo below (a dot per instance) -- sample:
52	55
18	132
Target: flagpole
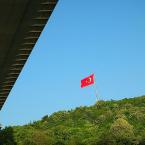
96	90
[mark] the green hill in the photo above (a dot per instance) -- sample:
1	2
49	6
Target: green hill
105	123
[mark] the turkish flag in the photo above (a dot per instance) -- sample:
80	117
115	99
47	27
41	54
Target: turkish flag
87	81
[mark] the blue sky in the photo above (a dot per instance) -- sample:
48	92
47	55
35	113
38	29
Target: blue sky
82	37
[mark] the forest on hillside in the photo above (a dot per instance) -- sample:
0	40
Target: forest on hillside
105	123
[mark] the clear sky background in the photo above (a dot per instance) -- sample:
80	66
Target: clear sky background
105	37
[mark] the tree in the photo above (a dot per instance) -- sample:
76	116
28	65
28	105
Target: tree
122	132
38	138
6	136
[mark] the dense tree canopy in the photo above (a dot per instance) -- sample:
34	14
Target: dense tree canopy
105	123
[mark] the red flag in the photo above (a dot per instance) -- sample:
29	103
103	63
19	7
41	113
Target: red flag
87	81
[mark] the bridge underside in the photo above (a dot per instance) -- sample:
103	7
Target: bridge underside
21	23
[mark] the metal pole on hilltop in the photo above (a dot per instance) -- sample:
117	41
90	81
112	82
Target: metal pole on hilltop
96	90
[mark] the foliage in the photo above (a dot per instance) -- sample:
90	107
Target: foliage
105	123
